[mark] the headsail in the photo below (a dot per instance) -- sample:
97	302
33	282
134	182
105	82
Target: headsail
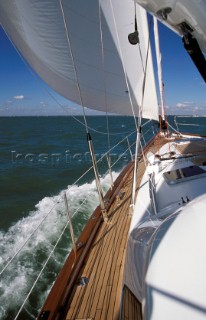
61	41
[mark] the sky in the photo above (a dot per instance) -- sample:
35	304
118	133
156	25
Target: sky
24	93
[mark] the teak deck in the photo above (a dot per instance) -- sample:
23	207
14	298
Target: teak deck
92	288
101	297
131	307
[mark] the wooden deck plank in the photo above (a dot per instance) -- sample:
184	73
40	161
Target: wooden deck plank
89	272
106	236
114	279
131	306
102	273
89	266
79	291
101	300
103	262
101	238
116	291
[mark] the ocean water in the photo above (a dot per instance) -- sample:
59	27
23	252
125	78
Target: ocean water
40	160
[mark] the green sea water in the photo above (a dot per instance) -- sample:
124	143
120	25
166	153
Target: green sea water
40	159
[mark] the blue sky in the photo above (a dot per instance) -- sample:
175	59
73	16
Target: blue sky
23	93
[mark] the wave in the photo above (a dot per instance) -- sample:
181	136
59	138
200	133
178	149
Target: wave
48	219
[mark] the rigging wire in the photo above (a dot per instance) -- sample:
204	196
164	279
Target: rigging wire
36	77
178	132
74	117
105	95
58	103
191	124
60	197
50	255
39	275
138	138
74	66
103	69
86	126
34	231
89	139
123	65
46	261
50	94
140	51
64	108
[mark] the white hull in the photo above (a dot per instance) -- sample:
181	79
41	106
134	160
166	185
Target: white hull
166	261
174	13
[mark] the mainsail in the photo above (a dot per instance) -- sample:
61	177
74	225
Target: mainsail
61	40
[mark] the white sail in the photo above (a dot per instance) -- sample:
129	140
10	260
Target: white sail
62	43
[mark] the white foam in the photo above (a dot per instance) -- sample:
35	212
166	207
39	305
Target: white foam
16	280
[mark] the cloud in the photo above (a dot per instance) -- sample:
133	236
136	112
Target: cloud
20	97
43	104
185	104
180	105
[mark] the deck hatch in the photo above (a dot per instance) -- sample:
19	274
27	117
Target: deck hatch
184	174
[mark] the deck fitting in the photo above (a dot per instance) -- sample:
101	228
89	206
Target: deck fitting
82	281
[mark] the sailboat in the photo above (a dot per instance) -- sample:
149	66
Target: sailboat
142	253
